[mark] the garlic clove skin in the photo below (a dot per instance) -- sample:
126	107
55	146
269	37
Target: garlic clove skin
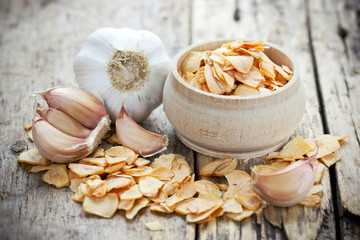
138	139
82	106
140	93
62	138
63	122
55	145
287	186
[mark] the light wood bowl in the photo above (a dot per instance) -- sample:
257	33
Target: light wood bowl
228	126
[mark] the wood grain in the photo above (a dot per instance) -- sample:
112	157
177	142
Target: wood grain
335	37
272	22
39	40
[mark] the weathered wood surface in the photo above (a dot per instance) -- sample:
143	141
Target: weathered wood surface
38	42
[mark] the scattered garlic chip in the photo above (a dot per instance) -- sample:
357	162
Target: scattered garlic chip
149	186
132	193
99	161
164	161
118	154
199	205
330	159
138	205
114	168
320	168
83	170
327	144
32	156
237	180
57	176
118	182
240	216
102	206
154	226
219	167
232	205
296	148
310	200
243	90
39	168
126	204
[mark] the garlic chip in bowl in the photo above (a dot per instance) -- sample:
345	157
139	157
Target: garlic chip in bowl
122	65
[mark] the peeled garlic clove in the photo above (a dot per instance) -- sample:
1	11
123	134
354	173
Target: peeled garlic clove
63	122
82	106
138	139
287	186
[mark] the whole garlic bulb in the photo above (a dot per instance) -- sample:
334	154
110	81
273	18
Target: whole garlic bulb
124	66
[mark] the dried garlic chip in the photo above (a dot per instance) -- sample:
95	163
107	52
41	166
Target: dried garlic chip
102	206
242	63
330	159
186	190
319	172
219	167
248	199
83	170
316	189
181	207
96	187
160	198
114	168
75	183
196	218
310	200
57	176
126	204
120	151
154	226
149	186
327	144
39	168
240	216
113	139
138	205
181	171
161	207
193	61
114	160
164	161
141	162
118	181
32	156
161	173
131	193
243	90
139	172
199	205
99	161
296	148
232	205
237	180
98	153
173	200
169	188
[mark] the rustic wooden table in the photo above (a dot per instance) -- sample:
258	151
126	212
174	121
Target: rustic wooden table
38	42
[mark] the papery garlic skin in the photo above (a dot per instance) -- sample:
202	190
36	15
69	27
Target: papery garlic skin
71	127
287	186
138	84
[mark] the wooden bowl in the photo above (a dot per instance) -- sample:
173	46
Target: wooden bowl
232	126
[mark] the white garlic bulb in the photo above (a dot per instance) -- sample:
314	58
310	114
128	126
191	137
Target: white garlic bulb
124	66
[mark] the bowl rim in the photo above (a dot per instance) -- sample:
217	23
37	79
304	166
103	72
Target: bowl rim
174	71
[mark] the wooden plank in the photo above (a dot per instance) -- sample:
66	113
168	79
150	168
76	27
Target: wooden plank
275	22
39	40
335	36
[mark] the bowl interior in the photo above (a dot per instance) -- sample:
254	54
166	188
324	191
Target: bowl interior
275	53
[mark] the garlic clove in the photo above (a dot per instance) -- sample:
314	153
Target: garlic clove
82	106
287	186
63	122
140	140
56	145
